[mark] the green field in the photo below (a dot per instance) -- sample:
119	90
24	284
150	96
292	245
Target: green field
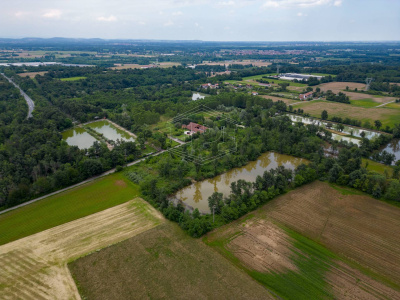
73	78
387	115
251	80
66	206
364	103
377	167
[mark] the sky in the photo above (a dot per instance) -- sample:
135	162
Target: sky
225	20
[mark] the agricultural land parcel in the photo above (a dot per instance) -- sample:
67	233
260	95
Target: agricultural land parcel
318	242
35	267
66	206
388	116
166	263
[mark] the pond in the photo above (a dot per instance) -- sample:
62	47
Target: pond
196	195
197	96
347	129
394	148
110	132
78	137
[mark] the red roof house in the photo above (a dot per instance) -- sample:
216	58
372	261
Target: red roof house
194	128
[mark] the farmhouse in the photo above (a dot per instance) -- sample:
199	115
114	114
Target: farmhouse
254	93
209	85
306	96
194	128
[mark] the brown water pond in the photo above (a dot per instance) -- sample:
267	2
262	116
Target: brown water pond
196	195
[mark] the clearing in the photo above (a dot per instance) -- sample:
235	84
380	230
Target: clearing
67	206
162	263
318	242
73	78
388	116
36	266
31	74
274	98
337	87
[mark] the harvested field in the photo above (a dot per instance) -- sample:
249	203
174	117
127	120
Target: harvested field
273	98
162	263
358	227
337	87
31	74
316	243
35	267
388	116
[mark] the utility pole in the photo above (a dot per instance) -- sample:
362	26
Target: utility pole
368	82
213	212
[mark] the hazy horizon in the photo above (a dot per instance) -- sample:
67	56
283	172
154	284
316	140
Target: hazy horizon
205	20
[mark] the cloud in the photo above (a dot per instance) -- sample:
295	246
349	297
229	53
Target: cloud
300	14
338	3
52	14
177	13
21	14
107	19
300	3
226	3
169	23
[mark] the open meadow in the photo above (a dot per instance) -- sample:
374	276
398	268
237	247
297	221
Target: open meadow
317	242
388	116
67	206
162	263
337	87
35	267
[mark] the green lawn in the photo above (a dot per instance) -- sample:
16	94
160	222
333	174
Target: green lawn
67	206
73	78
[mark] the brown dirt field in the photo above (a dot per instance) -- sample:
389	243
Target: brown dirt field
32	74
337	87
263	246
358	227
315	108
349	283
273	98
163	263
35	267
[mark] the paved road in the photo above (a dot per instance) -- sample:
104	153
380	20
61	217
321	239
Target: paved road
29	101
83	182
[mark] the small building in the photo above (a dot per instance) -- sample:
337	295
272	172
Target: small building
306	96
194	128
254	93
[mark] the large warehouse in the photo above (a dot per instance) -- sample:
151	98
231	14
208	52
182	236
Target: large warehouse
293	76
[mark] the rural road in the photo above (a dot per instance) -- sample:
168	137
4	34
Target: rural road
83	182
29	101
386	103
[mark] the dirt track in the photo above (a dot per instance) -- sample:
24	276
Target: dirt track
35	267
